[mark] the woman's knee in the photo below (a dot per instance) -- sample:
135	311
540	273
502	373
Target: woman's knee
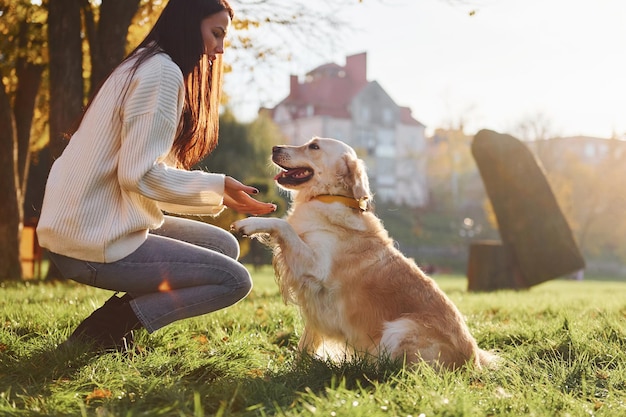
230	246
242	285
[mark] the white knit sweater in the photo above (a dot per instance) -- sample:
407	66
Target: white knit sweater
110	184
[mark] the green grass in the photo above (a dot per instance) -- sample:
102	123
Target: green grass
563	344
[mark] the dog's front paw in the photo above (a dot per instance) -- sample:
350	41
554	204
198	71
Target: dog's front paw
251	226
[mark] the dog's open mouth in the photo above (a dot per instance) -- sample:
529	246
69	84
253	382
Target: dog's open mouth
293	176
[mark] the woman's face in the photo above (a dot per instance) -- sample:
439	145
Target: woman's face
214	29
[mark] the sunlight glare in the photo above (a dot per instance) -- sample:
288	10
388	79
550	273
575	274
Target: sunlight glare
165	286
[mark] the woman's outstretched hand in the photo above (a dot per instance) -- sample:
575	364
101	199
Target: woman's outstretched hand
237	197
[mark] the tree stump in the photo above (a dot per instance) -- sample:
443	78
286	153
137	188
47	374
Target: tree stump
490	267
536	237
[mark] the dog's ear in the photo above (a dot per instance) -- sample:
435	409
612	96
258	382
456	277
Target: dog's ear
356	178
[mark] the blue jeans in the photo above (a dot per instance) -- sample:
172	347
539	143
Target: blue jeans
184	269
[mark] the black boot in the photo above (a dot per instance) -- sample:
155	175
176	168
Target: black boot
108	328
131	322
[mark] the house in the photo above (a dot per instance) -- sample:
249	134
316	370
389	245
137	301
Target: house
339	102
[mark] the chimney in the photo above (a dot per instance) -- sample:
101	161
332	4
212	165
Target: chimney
293	86
356	68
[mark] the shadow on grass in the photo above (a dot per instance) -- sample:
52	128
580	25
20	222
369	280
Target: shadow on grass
281	389
30	373
315	373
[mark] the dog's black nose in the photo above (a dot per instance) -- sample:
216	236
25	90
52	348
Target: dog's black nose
276	149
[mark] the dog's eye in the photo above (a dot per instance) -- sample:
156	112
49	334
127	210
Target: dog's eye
314	146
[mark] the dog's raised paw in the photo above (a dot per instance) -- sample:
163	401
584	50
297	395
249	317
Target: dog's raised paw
248	226
238	227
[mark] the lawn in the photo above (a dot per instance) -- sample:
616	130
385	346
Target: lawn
563	345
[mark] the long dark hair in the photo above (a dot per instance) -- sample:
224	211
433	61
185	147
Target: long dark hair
177	33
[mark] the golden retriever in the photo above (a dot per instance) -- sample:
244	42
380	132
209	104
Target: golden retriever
334	259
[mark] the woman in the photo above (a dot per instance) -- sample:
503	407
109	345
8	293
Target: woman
129	160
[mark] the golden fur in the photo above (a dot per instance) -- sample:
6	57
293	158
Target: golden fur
355	290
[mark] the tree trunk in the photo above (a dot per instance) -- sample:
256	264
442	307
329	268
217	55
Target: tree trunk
10	209
107	41
491	267
66	69
66	78
29	80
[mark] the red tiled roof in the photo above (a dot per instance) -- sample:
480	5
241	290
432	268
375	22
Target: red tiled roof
407	118
330	89
328	96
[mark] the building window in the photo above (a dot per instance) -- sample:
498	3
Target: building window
387	116
385	147
365	114
385	151
386	171
364	139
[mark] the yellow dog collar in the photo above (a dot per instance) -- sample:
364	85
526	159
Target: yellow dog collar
346	201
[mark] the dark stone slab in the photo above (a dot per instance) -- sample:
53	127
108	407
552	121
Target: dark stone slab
535	234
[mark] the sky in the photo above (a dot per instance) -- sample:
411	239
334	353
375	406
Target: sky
484	64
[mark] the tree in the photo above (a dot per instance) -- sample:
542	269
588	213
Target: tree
535	130
10	212
22	66
591	195
107	35
451	169
66	67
